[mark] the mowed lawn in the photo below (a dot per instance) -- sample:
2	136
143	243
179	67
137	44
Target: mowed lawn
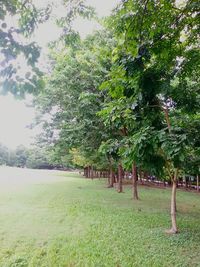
59	219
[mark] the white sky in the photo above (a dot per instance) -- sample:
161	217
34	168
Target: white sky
15	116
49	31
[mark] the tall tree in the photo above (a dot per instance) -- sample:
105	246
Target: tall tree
157	44
72	96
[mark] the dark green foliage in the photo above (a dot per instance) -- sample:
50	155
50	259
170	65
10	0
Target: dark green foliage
153	83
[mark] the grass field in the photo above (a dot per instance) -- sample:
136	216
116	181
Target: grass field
60	219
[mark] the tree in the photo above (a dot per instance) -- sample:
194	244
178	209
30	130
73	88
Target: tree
38	159
21	156
72	96
15	41
154	60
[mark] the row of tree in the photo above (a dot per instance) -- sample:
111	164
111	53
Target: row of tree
127	97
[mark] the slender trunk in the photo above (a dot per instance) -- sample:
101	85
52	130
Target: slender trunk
186	182
145	176
189	182
92	173
123	173
177	186
197	183
142	177
120	178
173	229
110	175
134	179
86	172
112	179
166	111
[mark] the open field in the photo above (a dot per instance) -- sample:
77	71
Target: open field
57	219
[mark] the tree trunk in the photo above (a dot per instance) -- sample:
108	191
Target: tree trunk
87	172
197	183
186	182
111	177
173	229
143	176
166	111
134	179
120	178
92	173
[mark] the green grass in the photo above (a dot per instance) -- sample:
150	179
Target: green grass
79	222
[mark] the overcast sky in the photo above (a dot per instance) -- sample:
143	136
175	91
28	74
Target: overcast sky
15	116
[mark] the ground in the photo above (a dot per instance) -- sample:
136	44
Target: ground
58	219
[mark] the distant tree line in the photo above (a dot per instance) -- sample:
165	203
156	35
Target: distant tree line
34	158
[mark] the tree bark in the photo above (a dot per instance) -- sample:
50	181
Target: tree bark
110	175
134	179
186	182
120	178
87	172
173	229
92	173
167	119
197	183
